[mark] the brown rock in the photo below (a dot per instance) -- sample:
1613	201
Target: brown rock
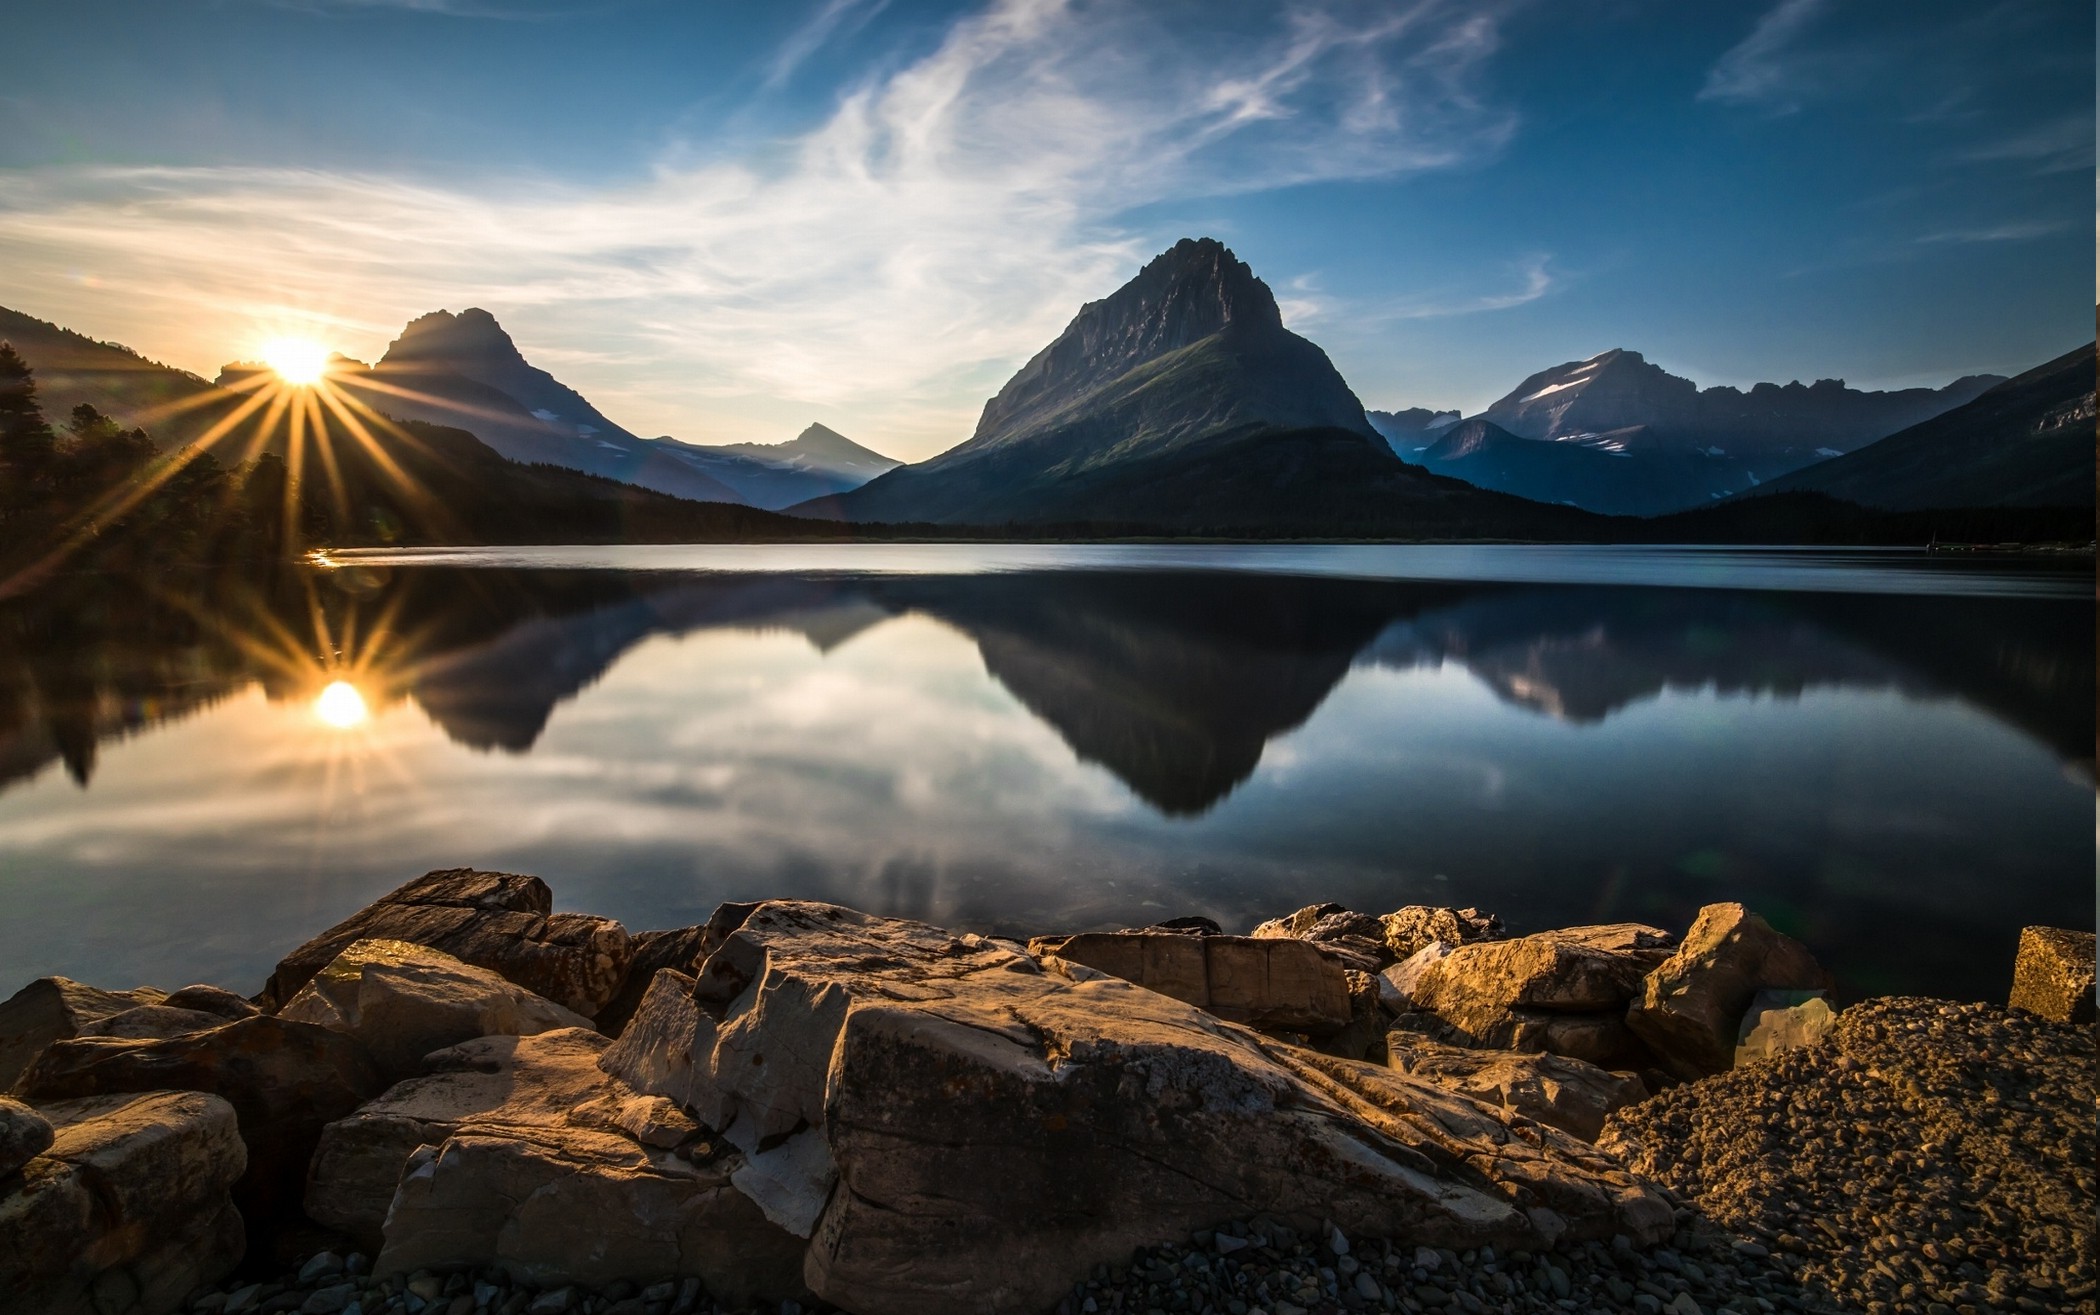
1637	940
494	920
2053	976
213	1000
1551	1089
1408	930
1357	939
964	1129
285	1080
24	1134
1691	1006
127	1212
1476	988
1273	984
154	1021
53	1009
403	1001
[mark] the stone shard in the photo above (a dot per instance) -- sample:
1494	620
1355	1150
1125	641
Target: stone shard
403	1001
991	1127
1397	984
285	1080
54	1009
1554	1090
1782	1020
1691	1006
494	920
681	949
1407	930
126	1212
2053	976
1273	984
24	1134
154	1022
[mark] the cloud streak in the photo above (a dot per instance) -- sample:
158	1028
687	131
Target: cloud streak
1761	69
888	267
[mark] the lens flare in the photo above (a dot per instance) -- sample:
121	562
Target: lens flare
340	705
299	361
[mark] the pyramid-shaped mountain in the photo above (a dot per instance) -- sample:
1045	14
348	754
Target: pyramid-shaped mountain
1179	400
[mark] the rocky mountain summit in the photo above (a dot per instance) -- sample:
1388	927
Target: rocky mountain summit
458	1101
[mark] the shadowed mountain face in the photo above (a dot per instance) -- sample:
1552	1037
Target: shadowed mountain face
2026	443
1180	399
1176	683
1598	473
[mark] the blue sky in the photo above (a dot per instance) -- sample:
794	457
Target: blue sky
724	221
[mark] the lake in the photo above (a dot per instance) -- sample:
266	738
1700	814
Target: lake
1888	754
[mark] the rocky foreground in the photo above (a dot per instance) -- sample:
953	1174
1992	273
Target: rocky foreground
458	1101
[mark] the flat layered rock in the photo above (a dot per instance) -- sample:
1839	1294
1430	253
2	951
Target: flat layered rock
285	1080
402	1001
1561	992
495	920
53	1009
127	1211
957	1127
1273	984
1563	1093
2053	977
1691	1007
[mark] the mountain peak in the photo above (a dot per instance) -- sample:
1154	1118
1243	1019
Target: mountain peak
443	336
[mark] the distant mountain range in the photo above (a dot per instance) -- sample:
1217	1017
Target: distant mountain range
815	463
1618	435
1179	401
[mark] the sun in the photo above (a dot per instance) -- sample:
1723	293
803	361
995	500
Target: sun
340	705
298	361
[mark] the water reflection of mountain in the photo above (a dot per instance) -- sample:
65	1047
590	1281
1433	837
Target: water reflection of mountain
1174	682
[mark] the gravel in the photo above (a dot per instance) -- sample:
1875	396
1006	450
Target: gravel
1928	1157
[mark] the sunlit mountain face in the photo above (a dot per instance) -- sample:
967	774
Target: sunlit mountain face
1069	748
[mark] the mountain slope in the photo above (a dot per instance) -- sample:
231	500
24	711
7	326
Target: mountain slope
1190	351
816	462
464	371
1413	428
175	406
2026	443
1619	389
1597	475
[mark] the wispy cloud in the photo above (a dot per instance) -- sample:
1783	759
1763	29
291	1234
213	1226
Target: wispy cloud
504	9
2015	231
2057	146
834	18
891	265
1763	69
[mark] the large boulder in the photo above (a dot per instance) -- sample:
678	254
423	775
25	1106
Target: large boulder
24	1134
1560	992
1357	939
1552	1089
54	1009
285	1080
1407	930
958	1127
1276	985
126	1212
154	1022
1690	1010
2053	977
403	1001
522	1152
500	921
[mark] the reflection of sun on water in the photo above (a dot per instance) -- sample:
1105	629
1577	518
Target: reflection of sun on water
296	360
340	705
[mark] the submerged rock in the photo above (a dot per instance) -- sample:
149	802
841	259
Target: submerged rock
54	1009
956	1127
126	1212
2053	976
495	920
1691	1007
403	1001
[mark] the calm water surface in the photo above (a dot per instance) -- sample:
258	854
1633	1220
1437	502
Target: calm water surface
1888	754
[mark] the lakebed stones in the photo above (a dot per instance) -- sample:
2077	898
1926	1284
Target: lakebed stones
1691	1007
1925	1155
2053	976
403	1001
495	920
285	1080
1276	985
958	1127
24	1134
126	1212
1552	1089
53	1009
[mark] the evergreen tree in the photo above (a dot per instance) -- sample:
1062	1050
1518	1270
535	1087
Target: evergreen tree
26	441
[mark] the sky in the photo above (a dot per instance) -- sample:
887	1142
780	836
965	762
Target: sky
725	221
